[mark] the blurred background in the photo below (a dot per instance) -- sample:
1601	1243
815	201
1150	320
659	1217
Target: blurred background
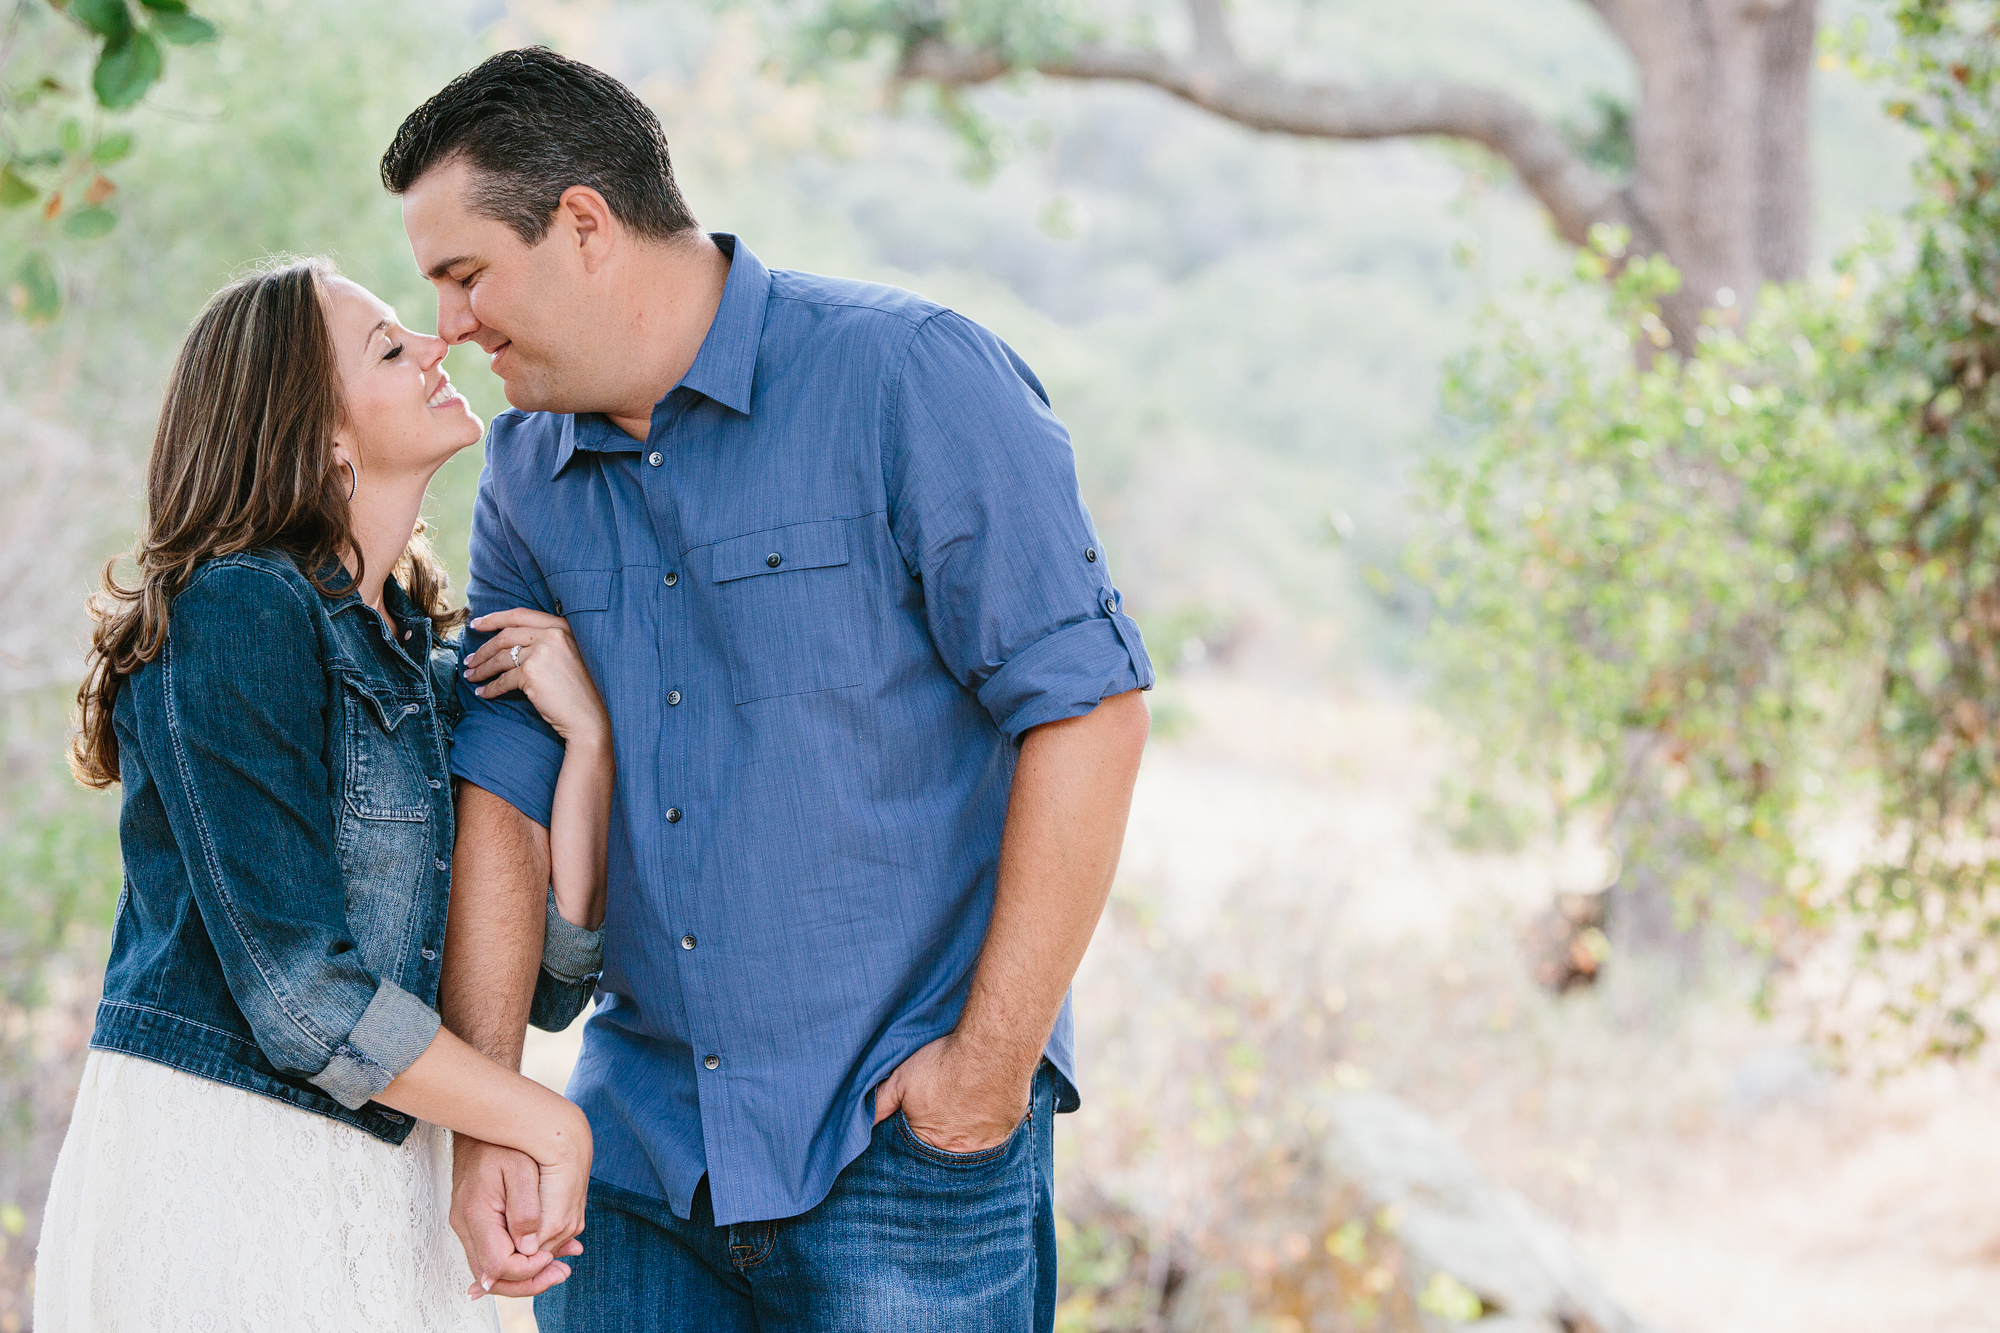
1547	445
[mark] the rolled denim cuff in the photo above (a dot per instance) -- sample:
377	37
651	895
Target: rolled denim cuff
394	1030
570	953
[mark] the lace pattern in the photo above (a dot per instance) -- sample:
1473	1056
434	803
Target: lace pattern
183	1204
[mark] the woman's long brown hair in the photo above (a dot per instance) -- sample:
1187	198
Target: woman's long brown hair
243	459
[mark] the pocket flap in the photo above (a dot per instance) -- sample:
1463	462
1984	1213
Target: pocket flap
800	546
389	706
579	590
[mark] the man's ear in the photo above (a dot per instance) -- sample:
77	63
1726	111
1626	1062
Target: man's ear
592	228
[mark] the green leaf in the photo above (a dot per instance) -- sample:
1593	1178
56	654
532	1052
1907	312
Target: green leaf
166	6
12	1220
87	224
14	191
126	70
72	135
109	19
184	29
34	291
111	148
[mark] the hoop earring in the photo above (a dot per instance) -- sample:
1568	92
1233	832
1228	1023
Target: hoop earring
354	484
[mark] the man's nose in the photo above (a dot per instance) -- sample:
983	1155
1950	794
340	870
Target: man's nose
456	322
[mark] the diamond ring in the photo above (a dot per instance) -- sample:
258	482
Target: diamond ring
515	653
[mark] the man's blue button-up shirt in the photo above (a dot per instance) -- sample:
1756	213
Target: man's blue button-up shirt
824	599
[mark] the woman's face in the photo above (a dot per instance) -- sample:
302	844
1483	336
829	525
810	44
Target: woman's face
404	418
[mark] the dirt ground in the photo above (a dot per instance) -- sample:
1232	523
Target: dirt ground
1721	1177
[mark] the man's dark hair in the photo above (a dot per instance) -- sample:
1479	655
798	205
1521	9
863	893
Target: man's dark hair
531	124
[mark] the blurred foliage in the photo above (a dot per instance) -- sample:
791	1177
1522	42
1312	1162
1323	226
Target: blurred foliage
1728	600
58	81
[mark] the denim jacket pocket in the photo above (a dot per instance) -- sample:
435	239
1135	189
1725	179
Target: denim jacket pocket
384	780
384	836
789	610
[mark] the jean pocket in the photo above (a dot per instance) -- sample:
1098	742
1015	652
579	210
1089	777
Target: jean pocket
910	1140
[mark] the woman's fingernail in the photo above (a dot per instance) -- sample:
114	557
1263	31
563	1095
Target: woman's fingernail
485	1284
475	1291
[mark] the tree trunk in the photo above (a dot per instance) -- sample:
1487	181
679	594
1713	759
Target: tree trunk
1722	141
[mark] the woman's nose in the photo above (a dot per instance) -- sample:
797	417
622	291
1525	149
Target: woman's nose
433	350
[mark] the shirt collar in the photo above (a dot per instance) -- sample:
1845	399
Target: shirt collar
723	369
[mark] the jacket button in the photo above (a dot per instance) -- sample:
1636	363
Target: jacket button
673	697
687	941
673	815
439	862
774	560
713	1062
430	955
435	784
673	577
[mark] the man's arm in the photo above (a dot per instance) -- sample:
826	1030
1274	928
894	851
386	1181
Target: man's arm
1065	827
493	950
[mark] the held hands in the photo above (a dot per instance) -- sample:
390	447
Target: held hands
956	1099
547	668
517	1218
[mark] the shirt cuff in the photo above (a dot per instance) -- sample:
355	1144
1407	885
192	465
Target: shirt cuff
1066	674
571	954
394	1030
497	749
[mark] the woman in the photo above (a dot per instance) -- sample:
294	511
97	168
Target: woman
260	1139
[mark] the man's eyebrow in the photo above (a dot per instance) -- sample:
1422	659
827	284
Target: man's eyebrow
444	266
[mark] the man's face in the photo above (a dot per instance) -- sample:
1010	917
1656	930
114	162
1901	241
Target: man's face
521	303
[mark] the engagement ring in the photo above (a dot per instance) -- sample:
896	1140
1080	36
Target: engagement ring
516	651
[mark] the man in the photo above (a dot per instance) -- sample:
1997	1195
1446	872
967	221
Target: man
877	720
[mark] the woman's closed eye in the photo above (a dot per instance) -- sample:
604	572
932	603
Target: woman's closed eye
393	352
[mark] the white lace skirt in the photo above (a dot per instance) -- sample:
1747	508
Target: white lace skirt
183	1204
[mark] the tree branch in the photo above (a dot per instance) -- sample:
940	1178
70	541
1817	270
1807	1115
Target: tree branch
1576	197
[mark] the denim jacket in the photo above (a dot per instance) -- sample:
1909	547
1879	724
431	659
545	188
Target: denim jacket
287	833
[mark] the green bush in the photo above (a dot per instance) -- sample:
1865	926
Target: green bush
1727	599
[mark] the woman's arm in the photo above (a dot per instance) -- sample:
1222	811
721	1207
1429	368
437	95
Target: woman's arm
550	671
453	1085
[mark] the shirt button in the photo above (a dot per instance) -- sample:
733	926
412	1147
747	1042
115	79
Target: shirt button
558	606
774	560
1090	554
673	815
673	577
655	458
673	697
687	941
713	1062
1110	607
439	862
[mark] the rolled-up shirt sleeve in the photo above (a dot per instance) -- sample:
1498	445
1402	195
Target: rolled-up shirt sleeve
239	702
984	504
503	745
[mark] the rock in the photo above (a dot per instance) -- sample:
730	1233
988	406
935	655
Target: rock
1449	1218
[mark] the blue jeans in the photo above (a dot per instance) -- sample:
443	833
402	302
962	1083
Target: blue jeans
911	1240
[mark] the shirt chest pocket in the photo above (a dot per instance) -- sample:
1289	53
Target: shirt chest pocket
789	607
